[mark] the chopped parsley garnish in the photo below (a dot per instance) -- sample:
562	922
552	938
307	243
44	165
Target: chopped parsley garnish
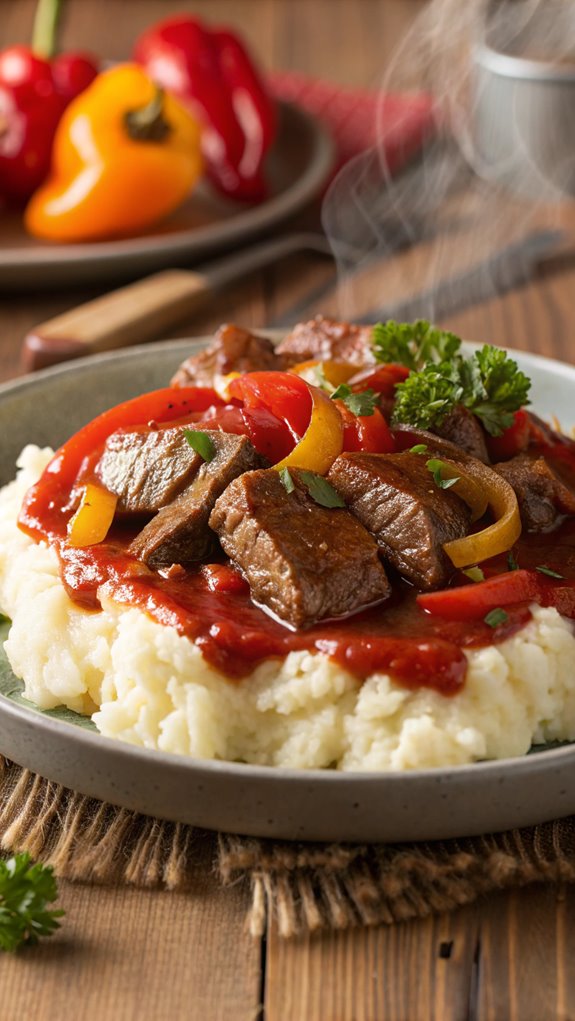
488	383
511	561
286	480
413	344
25	892
547	570
496	617
201	443
4	619
360	404
320	489
474	574
419	448
436	467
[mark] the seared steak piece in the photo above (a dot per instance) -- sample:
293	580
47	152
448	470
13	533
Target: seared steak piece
542	496
179	533
465	430
324	339
303	562
232	350
147	468
395	498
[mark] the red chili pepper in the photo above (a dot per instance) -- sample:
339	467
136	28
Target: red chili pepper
474	601
365	432
34	93
211	71
513	440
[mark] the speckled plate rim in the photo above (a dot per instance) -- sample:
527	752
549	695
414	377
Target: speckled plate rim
279	802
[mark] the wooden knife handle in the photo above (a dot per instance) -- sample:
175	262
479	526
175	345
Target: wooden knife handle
131	315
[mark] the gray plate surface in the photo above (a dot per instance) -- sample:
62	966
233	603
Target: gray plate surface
304	805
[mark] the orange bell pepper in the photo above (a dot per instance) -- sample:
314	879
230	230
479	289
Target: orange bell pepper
125	155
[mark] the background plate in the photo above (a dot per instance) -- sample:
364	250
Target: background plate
297	168
262	801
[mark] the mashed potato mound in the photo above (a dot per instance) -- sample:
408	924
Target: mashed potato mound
145	684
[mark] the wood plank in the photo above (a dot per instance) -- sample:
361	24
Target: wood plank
525	968
133	955
414	971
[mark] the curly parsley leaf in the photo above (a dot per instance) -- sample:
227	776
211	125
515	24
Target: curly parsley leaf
413	344
426	398
201	443
25	892
436	467
320	489
543	569
488	383
360	404
496	617
286	480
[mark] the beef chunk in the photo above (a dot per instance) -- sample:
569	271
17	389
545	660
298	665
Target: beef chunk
179	533
542	496
326	339
465	430
395	497
303	562
232	350
147	468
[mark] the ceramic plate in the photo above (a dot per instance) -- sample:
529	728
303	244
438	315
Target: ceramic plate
297	168
262	801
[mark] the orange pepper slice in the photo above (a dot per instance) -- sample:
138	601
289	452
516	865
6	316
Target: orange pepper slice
333	372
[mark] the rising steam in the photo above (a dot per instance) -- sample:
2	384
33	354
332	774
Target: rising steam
457	188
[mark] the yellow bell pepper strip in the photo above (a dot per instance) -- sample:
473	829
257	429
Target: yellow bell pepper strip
312	418
91	522
315	372
496	538
322	441
465	486
125	155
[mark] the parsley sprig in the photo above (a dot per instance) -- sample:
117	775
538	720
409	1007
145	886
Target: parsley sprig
201	443
320	490
360	404
25	892
488	383
413	344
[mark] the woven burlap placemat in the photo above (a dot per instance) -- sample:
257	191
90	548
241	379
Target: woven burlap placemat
306	887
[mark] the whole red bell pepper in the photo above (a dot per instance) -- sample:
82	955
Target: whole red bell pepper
34	92
211	71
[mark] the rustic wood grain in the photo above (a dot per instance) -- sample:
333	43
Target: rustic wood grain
126	955
421	971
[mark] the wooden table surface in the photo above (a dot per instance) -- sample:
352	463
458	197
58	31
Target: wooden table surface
124	954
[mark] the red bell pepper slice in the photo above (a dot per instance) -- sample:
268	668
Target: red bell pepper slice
383	379
284	394
365	432
44	508
268	434
474	601
512	441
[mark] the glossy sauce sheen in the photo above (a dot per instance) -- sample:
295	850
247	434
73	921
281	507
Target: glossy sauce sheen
211	605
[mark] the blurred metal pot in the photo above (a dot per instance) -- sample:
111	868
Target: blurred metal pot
523	115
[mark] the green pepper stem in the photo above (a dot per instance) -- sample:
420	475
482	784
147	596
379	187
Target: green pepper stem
148	123
45	30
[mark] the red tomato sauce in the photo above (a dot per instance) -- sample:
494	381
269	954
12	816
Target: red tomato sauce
211	605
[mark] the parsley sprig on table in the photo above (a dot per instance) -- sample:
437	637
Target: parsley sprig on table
488	383
25	892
